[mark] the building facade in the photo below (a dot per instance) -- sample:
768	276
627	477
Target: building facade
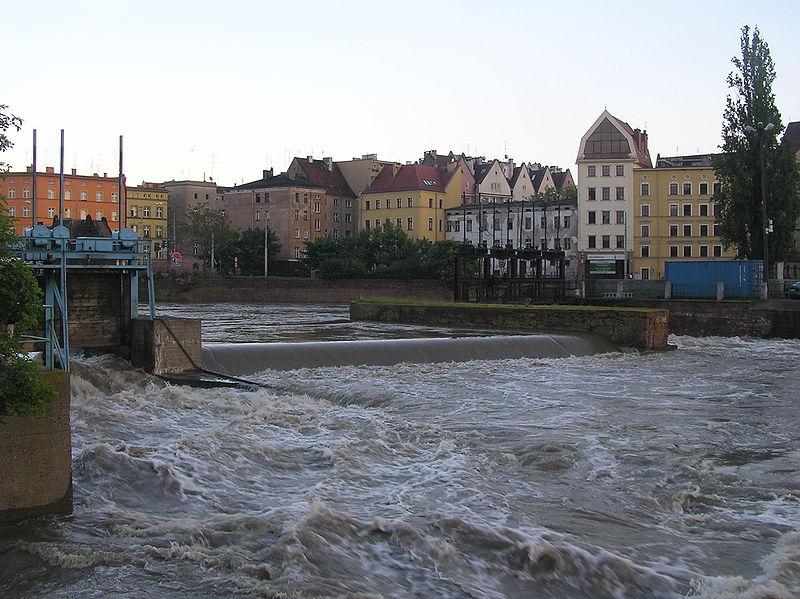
609	153
674	215
182	197
84	196
359	173
147	214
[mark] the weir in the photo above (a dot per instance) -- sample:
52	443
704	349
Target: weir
247	358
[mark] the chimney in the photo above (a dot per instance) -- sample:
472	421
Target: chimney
29	169
74	171
49	170
267	173
105	175
328	163
310	158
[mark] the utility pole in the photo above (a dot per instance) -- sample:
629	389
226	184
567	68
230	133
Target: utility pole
266	250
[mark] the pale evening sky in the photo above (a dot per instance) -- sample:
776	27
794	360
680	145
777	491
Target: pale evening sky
234	87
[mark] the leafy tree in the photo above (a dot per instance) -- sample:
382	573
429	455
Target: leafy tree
22	392
248	247
752	106
210	230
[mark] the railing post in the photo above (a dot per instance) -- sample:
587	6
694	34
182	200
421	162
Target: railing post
620	289
720	290
667	290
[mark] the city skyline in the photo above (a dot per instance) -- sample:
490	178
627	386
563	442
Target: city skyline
355	79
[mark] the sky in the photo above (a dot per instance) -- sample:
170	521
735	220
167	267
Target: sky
226	89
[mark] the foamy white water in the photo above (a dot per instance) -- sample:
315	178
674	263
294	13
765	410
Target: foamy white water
620	475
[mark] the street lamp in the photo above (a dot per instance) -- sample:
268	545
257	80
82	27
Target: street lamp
760	129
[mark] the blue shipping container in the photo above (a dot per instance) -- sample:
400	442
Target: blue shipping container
699	278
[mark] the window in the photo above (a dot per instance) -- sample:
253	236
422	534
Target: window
98	197
83	214
687	230
317	206
620	193
146	211
620	217
592	193
716	230
159	212
673	230
68	194
620	170
377	204
703	188
645	251
26	193
51	194
206	196
556	244
592	217
606	217
567	243
703	209
410	225
410	203
687	251
606	241
566	222
704	251
366	224
717	251
12	212
687	188
606	171
703	230
430	202
399	203
297	232
645	274
556	222
12	193
543	222
645	189
296	198
366	204
430	224
592	241
646	210
146	230
528	223
26	212
715	187
673	210
715	209
468	226
348	218
673	188
645	230
258	215
134	211
336	217
195	195
296	215
606	193
620	241
673	251
266	199
591	171
258	198
297	253
159	232
83	196
687	209
317	225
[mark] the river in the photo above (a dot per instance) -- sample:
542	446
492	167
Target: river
620	475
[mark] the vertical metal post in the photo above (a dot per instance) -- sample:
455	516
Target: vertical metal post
64	309
764	223
464	206
121	190
266	250
134	293
61	183
33	204
151	294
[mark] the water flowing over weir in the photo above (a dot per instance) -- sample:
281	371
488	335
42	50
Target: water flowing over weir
246	358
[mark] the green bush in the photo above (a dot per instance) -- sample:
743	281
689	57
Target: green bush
22	392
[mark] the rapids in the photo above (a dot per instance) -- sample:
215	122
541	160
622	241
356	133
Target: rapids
619	475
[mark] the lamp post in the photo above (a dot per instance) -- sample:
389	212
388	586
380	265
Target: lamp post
760	129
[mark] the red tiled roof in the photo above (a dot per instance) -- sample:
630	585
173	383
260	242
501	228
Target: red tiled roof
332	181
409	177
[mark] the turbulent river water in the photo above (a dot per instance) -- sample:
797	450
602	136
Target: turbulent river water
620	475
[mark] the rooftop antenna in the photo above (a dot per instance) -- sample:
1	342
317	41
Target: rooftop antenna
33	206
61	183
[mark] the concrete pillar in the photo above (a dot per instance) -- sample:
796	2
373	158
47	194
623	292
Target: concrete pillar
620	287
667	290
720	290
166	345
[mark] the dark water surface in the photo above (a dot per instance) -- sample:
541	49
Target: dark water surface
618	475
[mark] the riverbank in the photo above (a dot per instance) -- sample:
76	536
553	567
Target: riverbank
295	290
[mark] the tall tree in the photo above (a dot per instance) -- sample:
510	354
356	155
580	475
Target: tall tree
247	250
210	231
746	135
7	121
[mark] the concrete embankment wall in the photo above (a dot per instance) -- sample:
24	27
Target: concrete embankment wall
630	327
734	318
259	290
36	458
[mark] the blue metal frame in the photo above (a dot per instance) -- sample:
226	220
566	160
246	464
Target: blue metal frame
55	252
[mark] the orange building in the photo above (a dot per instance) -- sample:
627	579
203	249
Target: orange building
84	196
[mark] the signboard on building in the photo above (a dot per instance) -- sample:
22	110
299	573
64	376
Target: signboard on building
602	267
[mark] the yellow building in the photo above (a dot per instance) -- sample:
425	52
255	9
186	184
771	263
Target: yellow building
674	212
413	197
147	215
